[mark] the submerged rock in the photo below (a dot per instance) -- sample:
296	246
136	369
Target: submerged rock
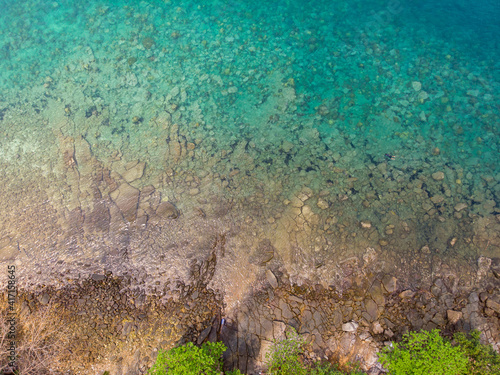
126	197
167	210
263	254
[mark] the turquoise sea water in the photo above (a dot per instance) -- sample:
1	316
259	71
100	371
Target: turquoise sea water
357	59
360	101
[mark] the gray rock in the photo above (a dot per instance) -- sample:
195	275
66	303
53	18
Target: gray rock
295	299
460	206
285	310
44	299
127	328
271	278
266	328
350	327
377	328
347	341
337	318
438	176
374	371
98	277
318	319
473	297
438	319
279	329
203	335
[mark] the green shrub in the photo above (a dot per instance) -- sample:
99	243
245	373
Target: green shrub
483	360
424	353
283	357
319	368
325	369
190	360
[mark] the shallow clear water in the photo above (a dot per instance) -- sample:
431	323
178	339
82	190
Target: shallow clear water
384	112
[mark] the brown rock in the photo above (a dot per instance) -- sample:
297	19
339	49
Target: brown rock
147	190
135	172
263	254
406	294
495	306
99	218
454	316
495	266
371	309
389	283
126	197
377	294
322	204
167	210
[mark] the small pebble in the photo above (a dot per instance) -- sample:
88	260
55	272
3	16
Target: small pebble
438	176
417	86
366	224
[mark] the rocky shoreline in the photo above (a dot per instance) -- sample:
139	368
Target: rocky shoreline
115	326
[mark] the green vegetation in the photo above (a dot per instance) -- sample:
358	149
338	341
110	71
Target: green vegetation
483	360
284	356
419	353
424	353
329	369
190	360
428	353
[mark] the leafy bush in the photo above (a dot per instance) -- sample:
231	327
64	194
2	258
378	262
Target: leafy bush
319	368
424	353
325	369
284	356
190	360
483	360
